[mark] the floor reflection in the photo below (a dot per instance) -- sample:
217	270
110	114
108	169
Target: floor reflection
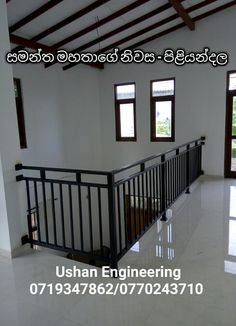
232	203
232	238
230	267
230	262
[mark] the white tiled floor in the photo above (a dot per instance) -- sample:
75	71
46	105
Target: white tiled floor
200	239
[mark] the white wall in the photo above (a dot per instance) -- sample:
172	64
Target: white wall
10	218
67	124
62	116
200	95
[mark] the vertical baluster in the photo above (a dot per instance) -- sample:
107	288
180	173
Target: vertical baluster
147	198
43	177
143	202
157	191
71	217
90	219
37	210
176	174
100	219
112	221
199	160
125	215
168	183
130	215
119	218
62	216
179	174
135	213
173	178
151	198
171	181
154	193
188	169
78	179
53	214
163	188
139	212
198	155
184	170
29	219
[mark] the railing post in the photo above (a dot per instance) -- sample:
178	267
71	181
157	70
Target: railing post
203	138
187	170
112	221
142	167
163	189
29	218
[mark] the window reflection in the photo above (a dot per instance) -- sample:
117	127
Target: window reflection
159	226
230	267
135	247
171	253
232	207
169	233
232	238
159	251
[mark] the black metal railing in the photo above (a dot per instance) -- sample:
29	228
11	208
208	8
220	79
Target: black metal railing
100	215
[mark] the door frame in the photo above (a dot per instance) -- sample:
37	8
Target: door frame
228	129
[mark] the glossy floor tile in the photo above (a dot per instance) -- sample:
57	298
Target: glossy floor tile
199	239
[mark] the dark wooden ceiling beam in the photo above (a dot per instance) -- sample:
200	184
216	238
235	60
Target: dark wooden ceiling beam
48	49
120	29
124	27
148	29
145	30
176	27
214	11
69	19
172	29
66	21
183	14
38	12
101	22
15	39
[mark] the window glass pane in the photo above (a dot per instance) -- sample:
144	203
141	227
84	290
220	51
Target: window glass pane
163	88
163	118
234	117
232	81
127	120
125	91
233	158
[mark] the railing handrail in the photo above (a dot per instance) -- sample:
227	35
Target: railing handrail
20	166
50	169
150	158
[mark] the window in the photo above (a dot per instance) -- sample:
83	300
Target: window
232	81
230	126
162	110
20	113
125	112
